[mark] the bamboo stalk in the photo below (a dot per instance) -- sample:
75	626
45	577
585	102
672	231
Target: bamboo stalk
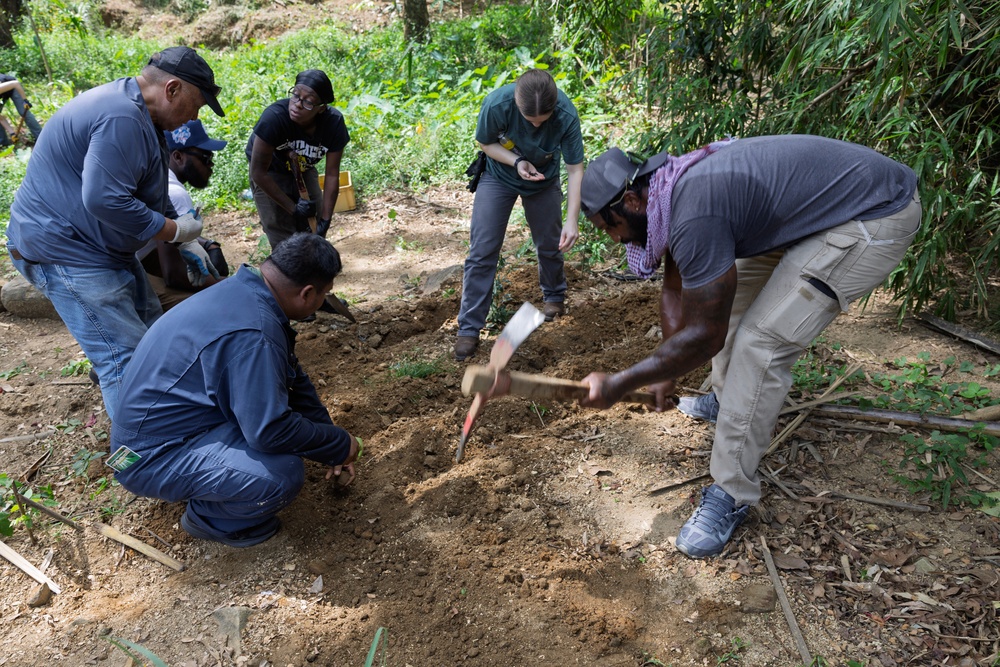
142	547
952	424
26	567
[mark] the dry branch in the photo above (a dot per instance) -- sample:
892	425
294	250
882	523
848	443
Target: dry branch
26	567
958	331
142	547
793	625
677	484
951	424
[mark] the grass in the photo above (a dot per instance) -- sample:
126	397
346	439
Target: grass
417	368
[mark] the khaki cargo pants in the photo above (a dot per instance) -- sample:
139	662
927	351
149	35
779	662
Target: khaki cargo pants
781	305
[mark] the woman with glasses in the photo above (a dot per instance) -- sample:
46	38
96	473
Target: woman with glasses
523	129
289	139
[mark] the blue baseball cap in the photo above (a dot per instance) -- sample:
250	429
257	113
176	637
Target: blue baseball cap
192	134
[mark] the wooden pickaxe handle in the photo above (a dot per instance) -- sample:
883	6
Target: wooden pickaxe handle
480	379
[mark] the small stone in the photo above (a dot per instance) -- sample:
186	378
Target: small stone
758	599
317	566
924	566
41	597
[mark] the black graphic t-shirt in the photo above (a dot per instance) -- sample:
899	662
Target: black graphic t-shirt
277	128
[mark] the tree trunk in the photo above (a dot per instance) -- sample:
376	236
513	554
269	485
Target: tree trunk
415	20
10	14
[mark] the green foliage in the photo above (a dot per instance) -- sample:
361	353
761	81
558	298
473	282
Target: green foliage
12	514
137	652
502	306
940	462
919	386
75	368
917	81
379	649
735	653
416	368
14	372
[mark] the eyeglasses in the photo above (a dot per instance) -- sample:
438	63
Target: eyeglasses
204	157
628	184
304	103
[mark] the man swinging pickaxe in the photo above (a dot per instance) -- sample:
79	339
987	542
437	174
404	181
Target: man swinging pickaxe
494	380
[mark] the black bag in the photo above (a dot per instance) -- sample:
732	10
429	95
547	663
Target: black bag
475	171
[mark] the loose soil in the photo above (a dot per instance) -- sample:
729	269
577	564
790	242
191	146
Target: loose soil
543	546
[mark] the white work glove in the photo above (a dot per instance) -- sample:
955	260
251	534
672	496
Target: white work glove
188	228
199	266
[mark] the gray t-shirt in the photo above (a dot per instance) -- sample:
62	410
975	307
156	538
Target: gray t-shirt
765	193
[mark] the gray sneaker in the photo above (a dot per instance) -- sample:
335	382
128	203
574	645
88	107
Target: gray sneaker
704	407
708	530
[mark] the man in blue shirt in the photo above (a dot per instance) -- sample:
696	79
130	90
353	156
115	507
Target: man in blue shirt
95	192
216	410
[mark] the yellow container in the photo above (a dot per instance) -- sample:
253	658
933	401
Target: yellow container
345	200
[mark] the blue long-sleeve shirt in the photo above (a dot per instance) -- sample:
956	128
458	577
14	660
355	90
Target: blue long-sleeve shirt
225	355
96	186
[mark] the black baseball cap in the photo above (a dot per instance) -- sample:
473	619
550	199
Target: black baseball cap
610	173
185	63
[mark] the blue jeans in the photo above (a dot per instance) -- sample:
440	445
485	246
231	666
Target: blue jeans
29	118
107	310
228	486
490	214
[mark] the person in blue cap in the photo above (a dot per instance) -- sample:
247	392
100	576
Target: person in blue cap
176	272
288	141
95	192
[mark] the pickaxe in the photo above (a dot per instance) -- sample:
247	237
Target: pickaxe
525	320
502	382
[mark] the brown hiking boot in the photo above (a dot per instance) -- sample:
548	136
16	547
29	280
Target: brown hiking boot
553	309
465	347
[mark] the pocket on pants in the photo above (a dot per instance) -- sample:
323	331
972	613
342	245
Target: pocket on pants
825	263
800	315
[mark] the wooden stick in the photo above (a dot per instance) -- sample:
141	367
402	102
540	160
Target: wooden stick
481	379
951	424
773	478
29	437
142	547
54	514
33	468
26	567
24	512
800	641
988	414
879	501
675	485
961	332
801	417
798	407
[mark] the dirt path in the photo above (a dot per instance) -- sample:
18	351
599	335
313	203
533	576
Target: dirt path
542	547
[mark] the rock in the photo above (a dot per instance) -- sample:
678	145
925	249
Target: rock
436	280
318	566
231	622
41	597
758	599
22	299
924	566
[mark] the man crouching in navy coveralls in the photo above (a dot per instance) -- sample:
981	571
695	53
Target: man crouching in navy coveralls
216	410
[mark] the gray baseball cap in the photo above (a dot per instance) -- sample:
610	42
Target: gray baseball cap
610	173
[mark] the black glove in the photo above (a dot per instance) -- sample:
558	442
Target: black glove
322	226
306	208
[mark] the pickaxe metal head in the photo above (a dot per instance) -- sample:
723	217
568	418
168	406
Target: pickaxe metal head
525	320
